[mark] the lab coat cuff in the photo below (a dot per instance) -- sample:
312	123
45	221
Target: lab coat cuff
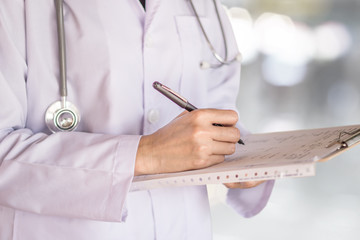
249	202
122	177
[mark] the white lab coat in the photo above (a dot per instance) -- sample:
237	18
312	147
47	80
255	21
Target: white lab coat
76	185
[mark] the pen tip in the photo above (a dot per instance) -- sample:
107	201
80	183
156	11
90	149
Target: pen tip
241	142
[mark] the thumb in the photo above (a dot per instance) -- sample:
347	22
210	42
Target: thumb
181	114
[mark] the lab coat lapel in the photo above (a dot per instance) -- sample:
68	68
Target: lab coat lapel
152	7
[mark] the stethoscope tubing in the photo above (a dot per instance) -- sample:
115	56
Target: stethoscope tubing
63	115
222	60
62	47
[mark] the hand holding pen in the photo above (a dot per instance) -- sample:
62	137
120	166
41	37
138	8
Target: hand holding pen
179	100
189	141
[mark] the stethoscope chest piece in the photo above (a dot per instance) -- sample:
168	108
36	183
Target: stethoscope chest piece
62	116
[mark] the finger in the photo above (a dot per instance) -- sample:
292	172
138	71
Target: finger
181	114
218	116
226	134
244	185
222	148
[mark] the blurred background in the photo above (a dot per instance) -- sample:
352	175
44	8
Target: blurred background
300	70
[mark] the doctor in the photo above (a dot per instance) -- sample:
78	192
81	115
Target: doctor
75	185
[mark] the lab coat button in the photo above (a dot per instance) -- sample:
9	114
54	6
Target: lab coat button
153	115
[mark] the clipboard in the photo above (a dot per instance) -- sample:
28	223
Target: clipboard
265	156
345	141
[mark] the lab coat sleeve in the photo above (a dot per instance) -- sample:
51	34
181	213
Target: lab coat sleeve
223	94
77	175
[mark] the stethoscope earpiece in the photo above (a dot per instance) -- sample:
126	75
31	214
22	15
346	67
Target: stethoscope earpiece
62	116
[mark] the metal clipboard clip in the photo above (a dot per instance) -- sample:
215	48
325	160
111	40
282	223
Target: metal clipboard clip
345	141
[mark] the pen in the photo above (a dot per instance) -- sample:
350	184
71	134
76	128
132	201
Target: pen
179	100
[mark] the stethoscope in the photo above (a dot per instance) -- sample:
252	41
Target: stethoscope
63	116
222	60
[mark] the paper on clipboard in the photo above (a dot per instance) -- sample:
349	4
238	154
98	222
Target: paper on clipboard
264	156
